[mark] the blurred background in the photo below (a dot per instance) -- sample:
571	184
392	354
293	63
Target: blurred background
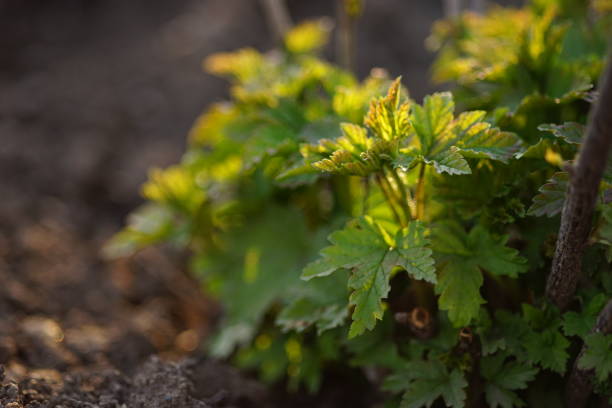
94	92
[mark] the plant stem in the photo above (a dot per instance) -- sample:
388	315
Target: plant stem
397	197
278	17
420	193
366	195
582	190
452	8
405	198
381	183
580	383
345	49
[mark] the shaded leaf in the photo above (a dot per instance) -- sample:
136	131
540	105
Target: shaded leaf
551	199
571	132
425	382
503	378
548	348
598	355
463	256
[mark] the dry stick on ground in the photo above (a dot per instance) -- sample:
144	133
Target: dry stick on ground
585	178
278	17
580	384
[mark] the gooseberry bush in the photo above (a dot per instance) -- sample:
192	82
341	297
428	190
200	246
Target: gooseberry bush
340	222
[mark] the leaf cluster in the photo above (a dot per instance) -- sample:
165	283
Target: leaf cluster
340	221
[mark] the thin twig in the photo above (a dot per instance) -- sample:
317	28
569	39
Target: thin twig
581	196
580	383
278	17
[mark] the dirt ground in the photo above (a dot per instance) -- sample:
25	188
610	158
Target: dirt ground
92	94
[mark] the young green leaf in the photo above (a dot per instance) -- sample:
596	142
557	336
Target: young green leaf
353	153
356	153
443	141
387	118
371	254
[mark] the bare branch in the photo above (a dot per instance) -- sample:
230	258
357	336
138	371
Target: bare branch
580	383
278	17
585	179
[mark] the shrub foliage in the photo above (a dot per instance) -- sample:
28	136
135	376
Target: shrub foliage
342	222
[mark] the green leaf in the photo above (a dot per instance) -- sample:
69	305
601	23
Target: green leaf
459	288
267	140
354	153
500	397
148	225
463	256
493	255
548	348
537	150
305	312
476	139
598	356
254	270
371	254
504	377
571	132
432	120
449	161
320	302
387	118
510	375
425	382
552	196
580	324
175	187
307	37
376	348
443	141
413	254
